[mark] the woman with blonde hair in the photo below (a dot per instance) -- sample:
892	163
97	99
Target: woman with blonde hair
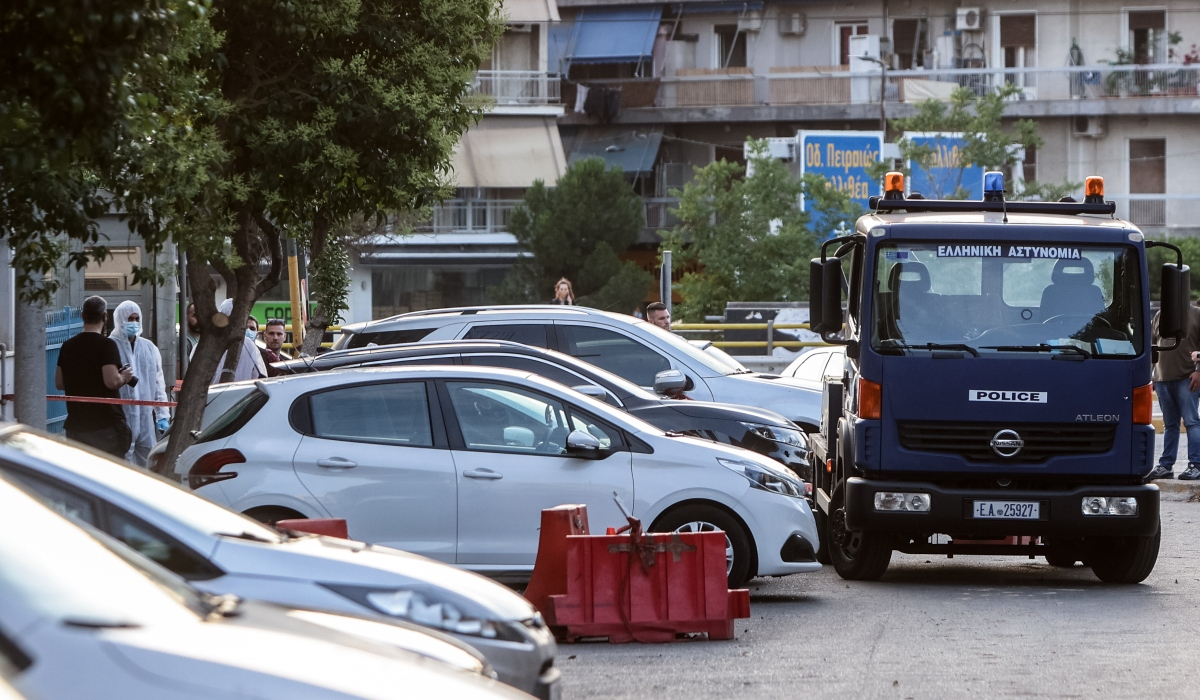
563	293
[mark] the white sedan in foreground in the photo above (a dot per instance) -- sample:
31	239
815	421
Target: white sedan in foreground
457	463
78	620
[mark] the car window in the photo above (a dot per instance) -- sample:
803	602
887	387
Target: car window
812	366
405	335
499	418
392	414
836	365
57	498
232	420
528	364
160	548
614	352
524	333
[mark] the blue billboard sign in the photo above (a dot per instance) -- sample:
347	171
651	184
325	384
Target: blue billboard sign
947	172
842	157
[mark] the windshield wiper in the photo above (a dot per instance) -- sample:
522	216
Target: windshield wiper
1040	347
936	346
244	536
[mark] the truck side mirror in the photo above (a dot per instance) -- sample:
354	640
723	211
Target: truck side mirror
831	295
815	289
1175	298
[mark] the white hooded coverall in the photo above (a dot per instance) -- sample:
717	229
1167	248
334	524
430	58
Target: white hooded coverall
250	364
146	361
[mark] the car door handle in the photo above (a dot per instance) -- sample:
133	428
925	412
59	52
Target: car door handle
487	474
336	463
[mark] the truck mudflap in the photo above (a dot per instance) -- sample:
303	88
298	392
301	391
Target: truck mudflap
954	511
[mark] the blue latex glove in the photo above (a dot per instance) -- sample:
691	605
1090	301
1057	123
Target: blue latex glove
163	424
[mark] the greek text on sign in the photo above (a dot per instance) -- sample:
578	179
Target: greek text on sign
1008	251
1007	396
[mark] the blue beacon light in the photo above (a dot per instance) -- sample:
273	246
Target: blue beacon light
993	186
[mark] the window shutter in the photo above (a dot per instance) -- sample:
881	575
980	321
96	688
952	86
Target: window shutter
1147	20
1019	30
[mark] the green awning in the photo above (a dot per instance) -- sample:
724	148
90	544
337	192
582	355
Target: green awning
634	153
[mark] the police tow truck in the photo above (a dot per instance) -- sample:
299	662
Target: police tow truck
996	396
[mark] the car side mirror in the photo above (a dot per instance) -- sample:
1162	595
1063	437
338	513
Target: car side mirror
583	444
670	381
596	392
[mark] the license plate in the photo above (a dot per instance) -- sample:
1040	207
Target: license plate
1006	510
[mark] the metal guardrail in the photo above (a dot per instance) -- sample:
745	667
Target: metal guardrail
825	85
770	327
519	87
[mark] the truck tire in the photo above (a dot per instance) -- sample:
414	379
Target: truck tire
1123	559
856	556
702	518
1063	553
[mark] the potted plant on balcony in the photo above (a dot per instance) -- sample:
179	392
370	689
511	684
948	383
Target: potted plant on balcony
1184	81
1117	83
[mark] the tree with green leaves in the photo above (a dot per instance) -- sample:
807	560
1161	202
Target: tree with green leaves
745	238
334	109
986	141
97	112
578	229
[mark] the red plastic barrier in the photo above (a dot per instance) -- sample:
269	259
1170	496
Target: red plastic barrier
611	593
330	527
550	569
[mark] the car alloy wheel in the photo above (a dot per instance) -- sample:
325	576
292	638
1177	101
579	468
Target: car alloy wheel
700	526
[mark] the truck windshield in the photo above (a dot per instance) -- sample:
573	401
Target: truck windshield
980	298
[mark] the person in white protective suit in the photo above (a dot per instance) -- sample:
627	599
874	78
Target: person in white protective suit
144	358
250	364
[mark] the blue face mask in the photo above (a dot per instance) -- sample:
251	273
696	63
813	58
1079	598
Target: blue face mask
132	328
250	334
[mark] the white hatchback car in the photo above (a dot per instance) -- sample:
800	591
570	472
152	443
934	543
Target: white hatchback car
457	463
812	369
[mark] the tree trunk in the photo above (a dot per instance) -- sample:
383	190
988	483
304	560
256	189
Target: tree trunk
314	331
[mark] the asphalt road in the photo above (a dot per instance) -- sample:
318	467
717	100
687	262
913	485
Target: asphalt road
970	627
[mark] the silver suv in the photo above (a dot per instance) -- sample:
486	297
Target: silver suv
623	345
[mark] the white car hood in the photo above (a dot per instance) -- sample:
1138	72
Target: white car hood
329	560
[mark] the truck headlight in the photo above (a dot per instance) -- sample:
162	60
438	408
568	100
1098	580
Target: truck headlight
764	478
894	501
429	609
1110	505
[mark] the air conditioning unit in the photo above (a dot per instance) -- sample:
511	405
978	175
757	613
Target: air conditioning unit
970	19
520	28
1088	127
793	23
752	21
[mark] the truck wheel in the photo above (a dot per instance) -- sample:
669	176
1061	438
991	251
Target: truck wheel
856	556
823	535
701	518
1123	559
1063	553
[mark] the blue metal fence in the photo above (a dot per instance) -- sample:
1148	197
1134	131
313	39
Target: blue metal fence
60	325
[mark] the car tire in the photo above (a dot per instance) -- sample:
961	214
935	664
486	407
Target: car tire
1123	559
856	556
822	535
702	518
269	515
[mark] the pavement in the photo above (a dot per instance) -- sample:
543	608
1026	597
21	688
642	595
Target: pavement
968	627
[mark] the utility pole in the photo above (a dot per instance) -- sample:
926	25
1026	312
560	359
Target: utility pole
29	363
664	280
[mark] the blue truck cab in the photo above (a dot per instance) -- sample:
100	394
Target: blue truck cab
997	391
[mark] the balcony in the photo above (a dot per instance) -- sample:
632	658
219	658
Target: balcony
492	215
834	92
518	87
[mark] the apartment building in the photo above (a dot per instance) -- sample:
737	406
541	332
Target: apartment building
658	89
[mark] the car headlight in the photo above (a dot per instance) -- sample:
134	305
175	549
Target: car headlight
764	478
428	608
785	436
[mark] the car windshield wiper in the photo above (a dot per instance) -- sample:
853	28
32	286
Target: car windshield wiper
244	536
936	346
1040	347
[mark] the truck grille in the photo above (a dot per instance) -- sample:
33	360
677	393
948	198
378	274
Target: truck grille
973	440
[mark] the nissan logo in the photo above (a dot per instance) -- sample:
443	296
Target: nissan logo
1007	443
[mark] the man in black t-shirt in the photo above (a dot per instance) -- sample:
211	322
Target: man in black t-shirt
89	364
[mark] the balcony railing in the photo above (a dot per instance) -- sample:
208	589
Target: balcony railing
833	85
470	216
519	87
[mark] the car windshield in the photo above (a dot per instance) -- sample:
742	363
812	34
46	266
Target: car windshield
980	297
58	570
151	491
683	347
